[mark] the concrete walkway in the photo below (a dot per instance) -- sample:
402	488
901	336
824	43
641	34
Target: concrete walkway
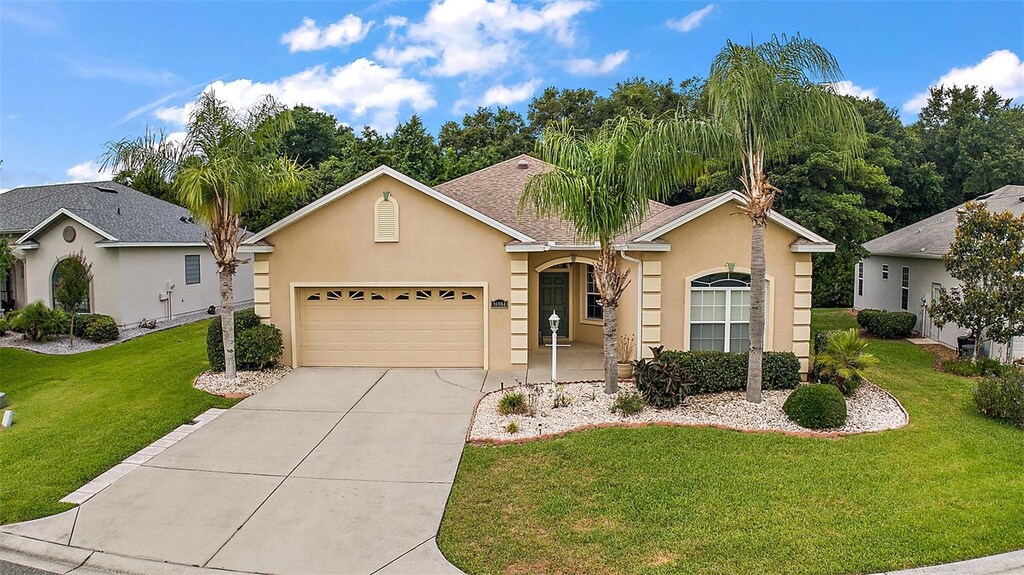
328	471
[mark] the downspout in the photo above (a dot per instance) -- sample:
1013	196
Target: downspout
639	299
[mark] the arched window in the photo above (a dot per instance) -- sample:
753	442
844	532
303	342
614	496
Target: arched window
720	312
385	219
55	279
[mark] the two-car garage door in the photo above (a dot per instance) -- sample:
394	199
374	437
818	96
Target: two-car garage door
390	327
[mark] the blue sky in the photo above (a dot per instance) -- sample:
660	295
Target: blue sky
76	75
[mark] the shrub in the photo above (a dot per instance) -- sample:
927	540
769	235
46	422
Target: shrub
985	366
663	384
259	347
3	326
1002	397
843	361
512	402
39	322
11	324
512	428
714	371
816	406
887	324
101	328
82	321
244	320
628	404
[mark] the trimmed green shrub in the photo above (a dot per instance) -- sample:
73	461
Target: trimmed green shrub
512	402
663	384
39	322
985	366
82	321
244	320
816	406
887	324
101	328
1002	397
259	347
628	404
11	324
714	371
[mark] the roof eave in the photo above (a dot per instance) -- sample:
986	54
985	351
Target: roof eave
818	248
63	212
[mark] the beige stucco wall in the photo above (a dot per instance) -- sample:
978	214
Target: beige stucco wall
39	264
335	244
710	243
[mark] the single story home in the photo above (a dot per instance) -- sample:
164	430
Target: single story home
148	256
388	271
904	269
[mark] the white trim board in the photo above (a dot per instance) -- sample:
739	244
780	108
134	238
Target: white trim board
64	212
373	175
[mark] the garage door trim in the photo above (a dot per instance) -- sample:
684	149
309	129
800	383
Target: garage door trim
294	288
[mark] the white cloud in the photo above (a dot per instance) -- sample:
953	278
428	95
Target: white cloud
591	67
1002	70
396	21
692	20
364	89
848	88
308	36
88	172
502	95
478	36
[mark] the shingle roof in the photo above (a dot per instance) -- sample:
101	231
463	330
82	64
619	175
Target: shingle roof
932	236
495	192
124	213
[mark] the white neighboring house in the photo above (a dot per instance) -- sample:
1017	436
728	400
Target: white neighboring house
904	270
148	256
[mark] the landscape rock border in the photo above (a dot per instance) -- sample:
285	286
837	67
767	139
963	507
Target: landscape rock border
627	386
246	383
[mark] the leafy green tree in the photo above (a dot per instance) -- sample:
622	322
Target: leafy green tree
484	138
987	259
6	260
973	139
413	151
314	137
576	106
599	185
650	98
148	180
74	277
760	97
228	163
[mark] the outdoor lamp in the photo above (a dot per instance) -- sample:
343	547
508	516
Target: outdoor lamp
553	320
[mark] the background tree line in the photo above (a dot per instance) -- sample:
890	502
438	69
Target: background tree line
964	143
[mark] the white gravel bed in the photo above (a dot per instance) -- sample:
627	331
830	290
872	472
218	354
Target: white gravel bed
246	382
870	408
60	346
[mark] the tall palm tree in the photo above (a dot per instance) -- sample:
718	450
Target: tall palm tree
225	164
760	96
598	186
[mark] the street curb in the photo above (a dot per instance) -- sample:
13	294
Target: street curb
1010	563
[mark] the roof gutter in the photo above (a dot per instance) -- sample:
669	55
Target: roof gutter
633	247
918	256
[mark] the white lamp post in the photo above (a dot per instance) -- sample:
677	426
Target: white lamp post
553	320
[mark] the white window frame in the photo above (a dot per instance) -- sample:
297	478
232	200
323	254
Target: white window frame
905	288
885	271
860	278
728	312
588	274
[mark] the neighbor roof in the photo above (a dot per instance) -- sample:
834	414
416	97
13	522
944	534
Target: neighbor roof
931	237
114	210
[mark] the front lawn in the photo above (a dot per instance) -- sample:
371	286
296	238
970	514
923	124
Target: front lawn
78	415
948	486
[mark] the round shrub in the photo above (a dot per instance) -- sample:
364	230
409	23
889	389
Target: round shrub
1002	397
101	328
244	319
82	322
258	347
816	406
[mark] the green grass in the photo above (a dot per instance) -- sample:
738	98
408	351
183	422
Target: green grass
77	416
948	486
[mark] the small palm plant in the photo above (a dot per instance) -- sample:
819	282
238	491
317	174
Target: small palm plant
843	361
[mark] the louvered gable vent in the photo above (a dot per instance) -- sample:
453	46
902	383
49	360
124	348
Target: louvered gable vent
385	224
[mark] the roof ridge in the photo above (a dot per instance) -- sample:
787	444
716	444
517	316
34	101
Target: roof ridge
523	155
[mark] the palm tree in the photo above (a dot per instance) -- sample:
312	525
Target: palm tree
225	164
844	360
760	96
599	187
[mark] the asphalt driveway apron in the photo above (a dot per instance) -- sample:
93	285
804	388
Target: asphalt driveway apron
329	471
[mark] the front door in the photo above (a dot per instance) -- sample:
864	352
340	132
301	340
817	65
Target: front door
554	295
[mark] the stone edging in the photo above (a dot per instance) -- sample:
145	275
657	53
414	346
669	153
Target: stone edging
195	380
634	425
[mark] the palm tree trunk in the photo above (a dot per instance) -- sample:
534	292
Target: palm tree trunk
757	310
227	322
611	330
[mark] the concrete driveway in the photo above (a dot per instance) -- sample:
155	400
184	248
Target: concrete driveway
329	471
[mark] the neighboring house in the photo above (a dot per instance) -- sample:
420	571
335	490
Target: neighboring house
904	270
148	256
387	271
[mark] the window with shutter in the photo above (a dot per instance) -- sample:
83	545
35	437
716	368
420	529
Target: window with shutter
385	225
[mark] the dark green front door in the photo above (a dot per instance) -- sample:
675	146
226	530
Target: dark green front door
554	295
